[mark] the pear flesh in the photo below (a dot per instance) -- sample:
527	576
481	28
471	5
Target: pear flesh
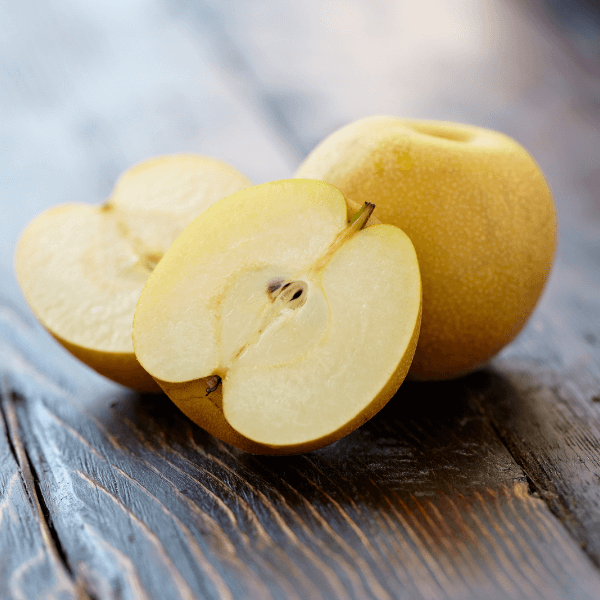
82	268
308	322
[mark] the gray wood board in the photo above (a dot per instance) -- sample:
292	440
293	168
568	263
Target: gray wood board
547	409
422	502
29	558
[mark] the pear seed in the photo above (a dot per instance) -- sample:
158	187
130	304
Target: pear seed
292	294
274	284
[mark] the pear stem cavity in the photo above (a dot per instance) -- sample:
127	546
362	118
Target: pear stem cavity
150	260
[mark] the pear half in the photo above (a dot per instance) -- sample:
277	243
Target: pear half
305	322
82	268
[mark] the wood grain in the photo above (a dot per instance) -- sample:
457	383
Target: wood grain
28	554
547	411
422	502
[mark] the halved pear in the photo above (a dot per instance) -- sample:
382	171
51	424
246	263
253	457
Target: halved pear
306	321
82	267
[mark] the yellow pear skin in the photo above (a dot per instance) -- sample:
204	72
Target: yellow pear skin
481	217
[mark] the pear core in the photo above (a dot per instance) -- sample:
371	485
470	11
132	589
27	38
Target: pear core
82	268
307	323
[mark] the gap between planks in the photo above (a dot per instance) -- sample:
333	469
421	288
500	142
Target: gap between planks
34	493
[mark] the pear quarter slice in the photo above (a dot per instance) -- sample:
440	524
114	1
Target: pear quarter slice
306	323
82	268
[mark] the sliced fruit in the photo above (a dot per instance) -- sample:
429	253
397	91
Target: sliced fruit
305	322
82	267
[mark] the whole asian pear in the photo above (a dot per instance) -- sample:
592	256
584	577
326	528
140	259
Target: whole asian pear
481	217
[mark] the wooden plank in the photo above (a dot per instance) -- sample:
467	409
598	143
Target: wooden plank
422	502
548	411
28	554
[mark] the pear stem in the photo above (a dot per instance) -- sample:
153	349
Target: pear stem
362	214
355	224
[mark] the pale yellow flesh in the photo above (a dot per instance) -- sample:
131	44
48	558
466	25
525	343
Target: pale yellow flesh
479	212
82	268
367	305
177	329
297	378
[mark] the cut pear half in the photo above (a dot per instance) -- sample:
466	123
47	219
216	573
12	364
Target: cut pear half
82	268
304	320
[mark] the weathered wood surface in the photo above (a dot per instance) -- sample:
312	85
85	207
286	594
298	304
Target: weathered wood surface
423	501
547	408
29	554
486	487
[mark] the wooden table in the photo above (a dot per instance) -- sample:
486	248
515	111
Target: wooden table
484	487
